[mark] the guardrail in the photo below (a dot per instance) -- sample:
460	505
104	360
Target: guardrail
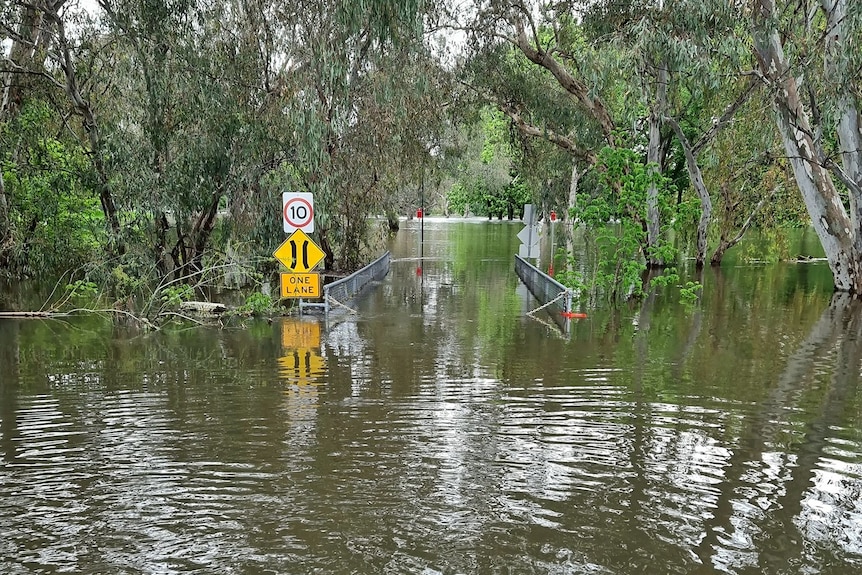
345	289
551	294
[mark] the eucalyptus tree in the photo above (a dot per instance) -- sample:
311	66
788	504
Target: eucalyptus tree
817	112
696	53
82	107
485	177
42	66
28	36
233	103
197	120
362	84
24	40
184	108
614	84
565	103
642	30
745	174
532	101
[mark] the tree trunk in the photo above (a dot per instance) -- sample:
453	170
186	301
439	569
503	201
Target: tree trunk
696	177
574	86
4	216
654	158
28	43
850	143
848	128
201	232
822	199
329	257
725	244
162	227
573	185
22	56
83	108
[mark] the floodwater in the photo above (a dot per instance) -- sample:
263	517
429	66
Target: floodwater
439	429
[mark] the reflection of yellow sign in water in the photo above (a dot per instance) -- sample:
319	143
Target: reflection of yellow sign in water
298	333
302	363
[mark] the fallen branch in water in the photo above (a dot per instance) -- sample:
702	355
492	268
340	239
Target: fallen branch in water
61	314
29	314
203	307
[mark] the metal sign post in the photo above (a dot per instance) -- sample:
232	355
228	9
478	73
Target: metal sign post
298	253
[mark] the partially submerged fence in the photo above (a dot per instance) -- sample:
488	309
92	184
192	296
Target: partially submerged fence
551	294
341	291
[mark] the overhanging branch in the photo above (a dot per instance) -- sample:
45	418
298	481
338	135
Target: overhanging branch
560	140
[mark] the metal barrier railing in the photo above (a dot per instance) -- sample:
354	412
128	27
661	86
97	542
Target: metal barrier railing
345	289
551	294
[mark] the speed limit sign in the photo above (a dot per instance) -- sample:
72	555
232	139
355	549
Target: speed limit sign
298	211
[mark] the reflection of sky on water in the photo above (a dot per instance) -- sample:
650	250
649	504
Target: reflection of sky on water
832	508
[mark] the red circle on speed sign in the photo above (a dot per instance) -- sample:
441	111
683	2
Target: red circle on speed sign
298	212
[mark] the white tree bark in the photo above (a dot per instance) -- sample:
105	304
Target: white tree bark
696	177
654	157
822	199
848	128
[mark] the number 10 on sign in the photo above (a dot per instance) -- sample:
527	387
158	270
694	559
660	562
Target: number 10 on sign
298	211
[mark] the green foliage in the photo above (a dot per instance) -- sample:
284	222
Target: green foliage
690	292
770	246
486	180
256	304
124	281
205	106
669	278
54	213
459	198
173	296
82	289
616	233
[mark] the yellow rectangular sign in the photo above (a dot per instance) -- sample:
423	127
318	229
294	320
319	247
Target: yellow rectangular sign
300	285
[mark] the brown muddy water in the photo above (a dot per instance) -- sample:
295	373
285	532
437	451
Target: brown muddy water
440	430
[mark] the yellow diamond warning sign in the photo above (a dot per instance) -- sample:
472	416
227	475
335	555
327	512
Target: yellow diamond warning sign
300	285
299	253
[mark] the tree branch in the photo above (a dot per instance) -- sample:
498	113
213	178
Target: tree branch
575	87
750	219
562	141
727	116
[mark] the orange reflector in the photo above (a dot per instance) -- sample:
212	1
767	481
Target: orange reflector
573	315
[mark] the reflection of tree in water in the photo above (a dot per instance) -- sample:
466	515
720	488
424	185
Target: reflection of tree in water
9	362
761	479
774	499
